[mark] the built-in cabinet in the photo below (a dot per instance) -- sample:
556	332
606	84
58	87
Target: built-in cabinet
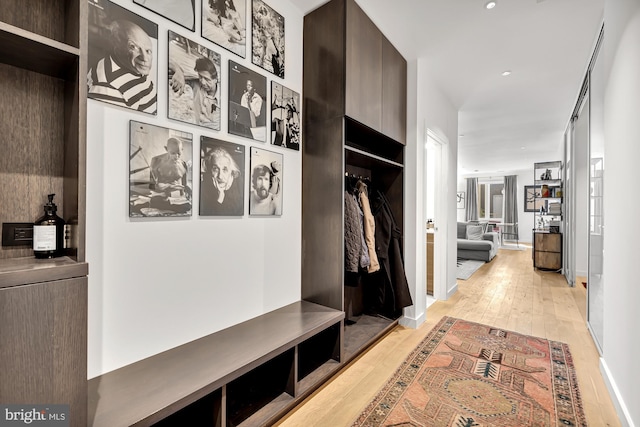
43	303
354	126
547	234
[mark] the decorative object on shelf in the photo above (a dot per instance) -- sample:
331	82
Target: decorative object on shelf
285	117
546	176
266	182
48	232
544	191
247	109
460	203
267	38
221	178
194	83
223	22
182	12
122	57
160	171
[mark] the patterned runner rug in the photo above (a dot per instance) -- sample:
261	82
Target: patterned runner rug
465	374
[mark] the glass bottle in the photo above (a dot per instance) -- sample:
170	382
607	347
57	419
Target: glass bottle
48	232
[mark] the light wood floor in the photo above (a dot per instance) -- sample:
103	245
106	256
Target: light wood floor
507	293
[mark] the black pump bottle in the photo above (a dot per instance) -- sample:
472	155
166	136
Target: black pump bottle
48	233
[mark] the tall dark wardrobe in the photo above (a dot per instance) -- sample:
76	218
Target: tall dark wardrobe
354	129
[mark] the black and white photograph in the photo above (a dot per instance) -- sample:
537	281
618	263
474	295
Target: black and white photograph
194	83
122	56
532	199
265	196
267	38
224	23
221	178
160	171
182	12
285	117
247	106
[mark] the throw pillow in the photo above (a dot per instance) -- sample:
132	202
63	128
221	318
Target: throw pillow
485	226
474	232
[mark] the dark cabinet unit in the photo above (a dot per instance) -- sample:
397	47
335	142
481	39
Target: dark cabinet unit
43	302
547	250
354	125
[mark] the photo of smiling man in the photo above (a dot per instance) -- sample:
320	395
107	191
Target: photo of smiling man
122	66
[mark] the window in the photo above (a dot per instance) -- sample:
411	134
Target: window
490	200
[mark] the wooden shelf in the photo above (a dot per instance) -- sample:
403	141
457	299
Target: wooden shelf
34	52
29	270
152	389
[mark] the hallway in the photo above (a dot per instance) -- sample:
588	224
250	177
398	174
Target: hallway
506	293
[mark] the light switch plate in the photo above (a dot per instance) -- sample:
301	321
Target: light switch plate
17	234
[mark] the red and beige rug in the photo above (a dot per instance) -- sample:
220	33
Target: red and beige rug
465	374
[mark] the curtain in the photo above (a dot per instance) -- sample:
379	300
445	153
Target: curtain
511	206
471	211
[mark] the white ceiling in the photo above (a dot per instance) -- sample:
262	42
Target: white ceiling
507	122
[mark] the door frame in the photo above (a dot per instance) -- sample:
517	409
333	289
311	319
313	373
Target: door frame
440	198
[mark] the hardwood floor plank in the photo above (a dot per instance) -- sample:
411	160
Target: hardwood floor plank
506	293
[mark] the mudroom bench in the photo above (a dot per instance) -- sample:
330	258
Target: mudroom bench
248	374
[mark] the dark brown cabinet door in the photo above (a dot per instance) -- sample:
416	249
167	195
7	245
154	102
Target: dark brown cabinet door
394	90
43	345
363	97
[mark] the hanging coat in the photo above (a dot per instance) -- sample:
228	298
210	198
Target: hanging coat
394	292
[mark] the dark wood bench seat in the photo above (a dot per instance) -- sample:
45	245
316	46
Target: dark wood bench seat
248	374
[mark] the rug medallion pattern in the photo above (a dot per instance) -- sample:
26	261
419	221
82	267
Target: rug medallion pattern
465	374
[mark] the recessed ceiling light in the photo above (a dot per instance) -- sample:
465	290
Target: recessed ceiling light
522	148
490	5
506	73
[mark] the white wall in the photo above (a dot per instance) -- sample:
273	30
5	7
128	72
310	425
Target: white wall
621	250
158	283
438	114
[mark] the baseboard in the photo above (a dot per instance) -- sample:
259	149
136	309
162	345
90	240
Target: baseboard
452	290
621	408
582	273
411	322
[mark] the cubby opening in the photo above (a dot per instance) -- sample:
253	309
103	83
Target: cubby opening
261	392
46	18
204	412
318	350
362	137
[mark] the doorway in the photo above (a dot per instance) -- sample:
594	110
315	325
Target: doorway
435	209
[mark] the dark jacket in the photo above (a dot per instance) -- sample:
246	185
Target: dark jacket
393	291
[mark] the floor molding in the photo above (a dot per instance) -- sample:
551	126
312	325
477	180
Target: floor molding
452	290
411	322
621	408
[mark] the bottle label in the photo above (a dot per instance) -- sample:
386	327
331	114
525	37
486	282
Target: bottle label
44	237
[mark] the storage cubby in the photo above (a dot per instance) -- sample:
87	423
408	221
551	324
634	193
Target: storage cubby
57	20
319	350
204	412
260	387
